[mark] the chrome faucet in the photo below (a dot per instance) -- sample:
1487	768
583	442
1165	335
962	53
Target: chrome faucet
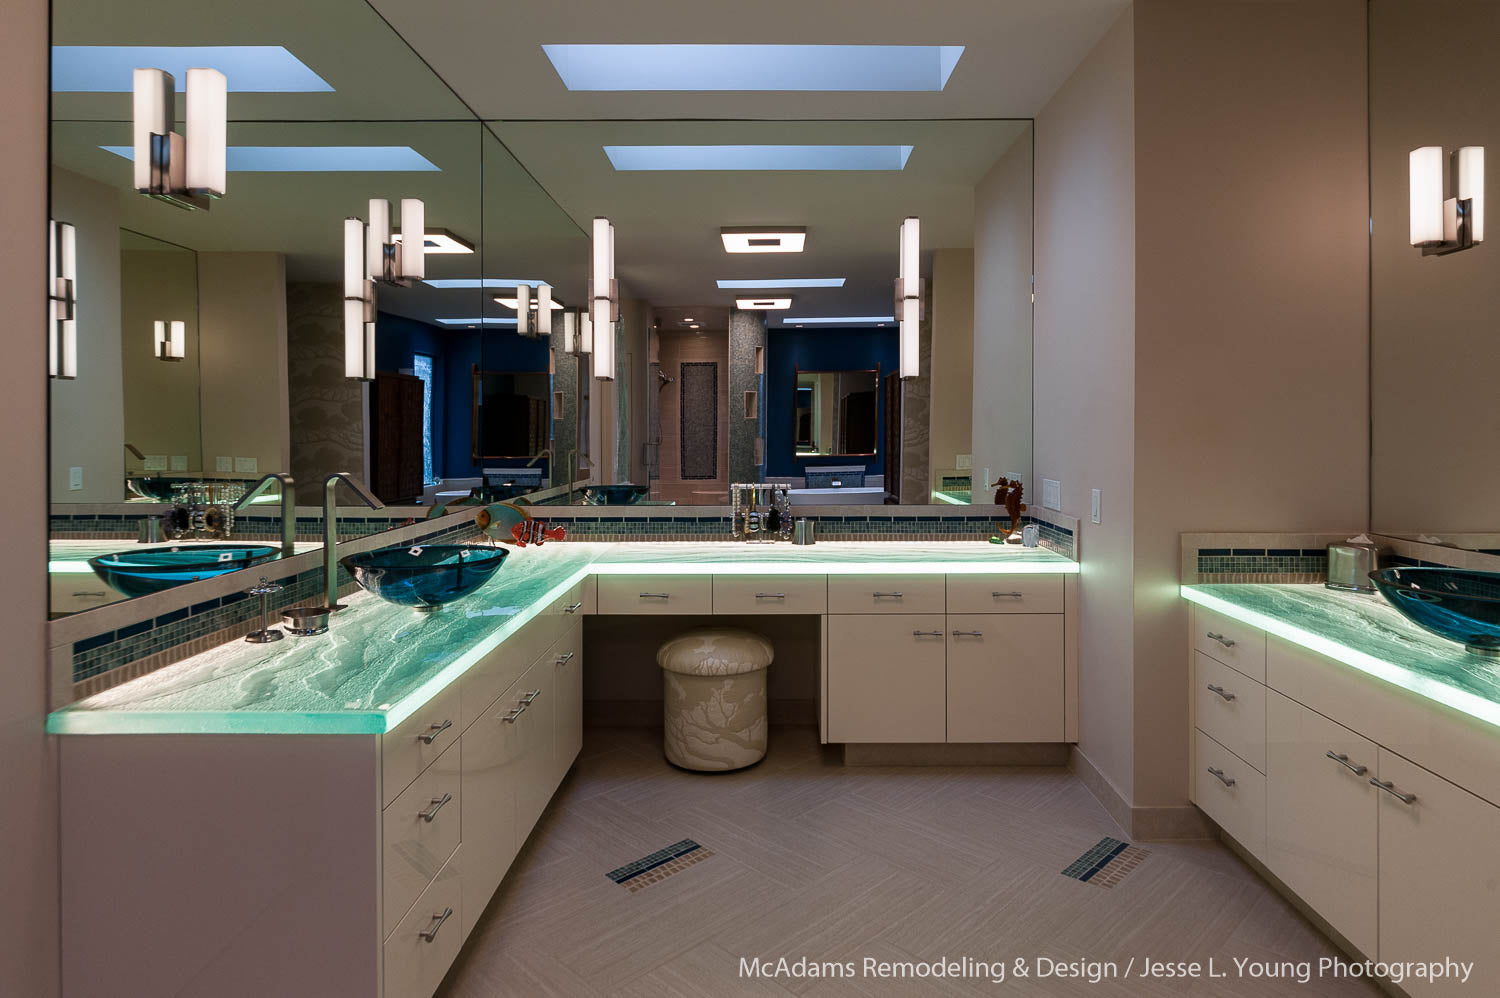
331	529
288	508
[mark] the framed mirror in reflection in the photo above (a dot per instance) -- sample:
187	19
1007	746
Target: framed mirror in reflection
836	413
511	414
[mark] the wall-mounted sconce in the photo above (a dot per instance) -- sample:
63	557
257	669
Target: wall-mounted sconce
185	171
1439	224
529	311
372	255
909	297
62	293
604	300
171	340
570	332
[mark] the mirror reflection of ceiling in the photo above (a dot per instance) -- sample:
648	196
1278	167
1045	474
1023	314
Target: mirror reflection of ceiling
667	223
1017	52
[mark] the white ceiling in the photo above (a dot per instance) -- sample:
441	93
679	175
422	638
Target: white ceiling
1018	52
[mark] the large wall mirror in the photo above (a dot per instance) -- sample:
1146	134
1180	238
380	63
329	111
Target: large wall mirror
1434	318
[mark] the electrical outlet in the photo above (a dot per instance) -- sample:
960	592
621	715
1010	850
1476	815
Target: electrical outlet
247	465
75	479
1094	506
964	462
179	462
1051	494
155	462
223	464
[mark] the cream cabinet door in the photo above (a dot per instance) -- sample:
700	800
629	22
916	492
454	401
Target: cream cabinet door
1321	816
1439	877
491	769
567	663
537	695
886	678
1005	677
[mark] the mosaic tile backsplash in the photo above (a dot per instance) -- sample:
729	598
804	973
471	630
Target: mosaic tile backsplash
91	526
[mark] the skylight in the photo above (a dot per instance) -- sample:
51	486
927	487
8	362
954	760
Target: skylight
783	282
248	68
861	68
315	159
758	157
838	320
486	282
486	321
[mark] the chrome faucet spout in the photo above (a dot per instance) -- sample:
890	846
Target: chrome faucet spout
331	529
288	507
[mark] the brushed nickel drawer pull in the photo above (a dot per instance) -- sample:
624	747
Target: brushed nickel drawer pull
430	735
1011	595
1218	774
1390	788
90	594
430	933
1343	760
1220	691
573	608
1221	639
514	713
968	634
529	697
770	595
656	595
888	595
437	805
565	659
926	634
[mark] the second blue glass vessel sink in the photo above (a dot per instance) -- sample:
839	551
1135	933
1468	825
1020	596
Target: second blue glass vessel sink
151	570
1453	603
427	576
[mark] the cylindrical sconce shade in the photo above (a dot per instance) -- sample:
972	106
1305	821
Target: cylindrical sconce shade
1426	166
67	365
413	239
153	114
602	258
359	342
377	235
523	309
207	131
911	345
544	310
585	332
159	339
911	247
570	331
354	258
1471	187
170	339
604	341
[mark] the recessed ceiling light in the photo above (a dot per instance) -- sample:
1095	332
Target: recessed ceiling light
110	69
860	68
442	241
783	282
767	304
758	157
315	159
486	321
486	282
510	303
763	239
841	320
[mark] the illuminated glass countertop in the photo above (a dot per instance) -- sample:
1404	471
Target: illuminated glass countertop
1366	633
379	663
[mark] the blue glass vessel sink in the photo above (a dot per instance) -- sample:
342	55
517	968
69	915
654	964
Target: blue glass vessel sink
1453	603
428	576
151	570
615	495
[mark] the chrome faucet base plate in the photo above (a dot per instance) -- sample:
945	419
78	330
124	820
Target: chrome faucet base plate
265	636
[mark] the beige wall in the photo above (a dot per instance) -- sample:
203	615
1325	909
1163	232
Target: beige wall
1435	320
242	323
1085	362
161	398
1251	359
28	777
1000	432
952	414
88	413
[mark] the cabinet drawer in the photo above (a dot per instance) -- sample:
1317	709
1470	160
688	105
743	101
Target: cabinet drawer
770	594
422	948
886	678
1226	640
493	674
1005	677
655	594
1231	709
886	594
413	744
421	830
1005	593
1233	794
579	601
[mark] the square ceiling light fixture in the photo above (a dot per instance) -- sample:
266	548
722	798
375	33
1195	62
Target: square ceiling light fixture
109	69
467	283
514	303
779	282
762	304
758	157
755	68
487	320
763	238
442	241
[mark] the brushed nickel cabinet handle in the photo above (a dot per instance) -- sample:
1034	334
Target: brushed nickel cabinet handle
1218	774
1221	639
888	595
1220	691
655	595
1343	760
430	933
926	634
572	609
1011	595
437	805
968	634
770	595
430	735
529	697
514	713
1390	788
565	659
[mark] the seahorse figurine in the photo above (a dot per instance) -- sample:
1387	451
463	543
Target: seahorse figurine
1009	494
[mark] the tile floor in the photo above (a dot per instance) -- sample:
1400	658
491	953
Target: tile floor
814	859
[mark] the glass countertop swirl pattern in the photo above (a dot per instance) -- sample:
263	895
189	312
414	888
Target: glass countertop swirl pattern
379	663
1366	633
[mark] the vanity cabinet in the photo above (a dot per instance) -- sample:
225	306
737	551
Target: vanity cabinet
886	677
1005	677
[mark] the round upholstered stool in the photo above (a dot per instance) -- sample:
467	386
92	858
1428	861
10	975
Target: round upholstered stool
714	698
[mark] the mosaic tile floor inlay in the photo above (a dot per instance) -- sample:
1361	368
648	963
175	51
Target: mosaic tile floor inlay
1107	863
659	865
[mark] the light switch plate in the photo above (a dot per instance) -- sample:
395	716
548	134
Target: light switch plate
179	462
223	464
1094	506
75	479
1051	494
155	462
247	465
